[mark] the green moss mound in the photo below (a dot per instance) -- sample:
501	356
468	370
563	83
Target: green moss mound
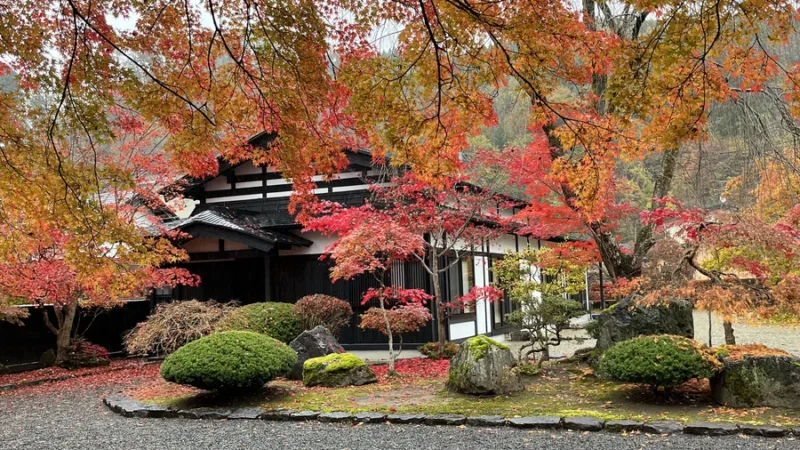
480	344
662	360
337	369
273	319
233	360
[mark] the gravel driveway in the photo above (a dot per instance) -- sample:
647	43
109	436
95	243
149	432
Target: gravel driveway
77	420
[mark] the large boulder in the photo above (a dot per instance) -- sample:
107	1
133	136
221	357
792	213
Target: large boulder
312	344
337	370
772	381
483	366
627	320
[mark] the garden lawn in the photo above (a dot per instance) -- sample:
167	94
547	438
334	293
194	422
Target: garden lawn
568	389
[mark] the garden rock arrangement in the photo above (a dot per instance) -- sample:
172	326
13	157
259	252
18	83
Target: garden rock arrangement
483	366
337	370
133	408
627	320
772	381
312	344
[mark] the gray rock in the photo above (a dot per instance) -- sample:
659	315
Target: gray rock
483	366
711	428
796	432
445	419
486	421
620	426
663	427
133	408
245	413
405	418
335	417
772	381
626	320
546	422
312	344
48	358
370	417
304	415
583	423
763	430
277	414
204	413
338	370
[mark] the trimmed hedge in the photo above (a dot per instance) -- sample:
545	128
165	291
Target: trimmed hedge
233	360
273	319
661	360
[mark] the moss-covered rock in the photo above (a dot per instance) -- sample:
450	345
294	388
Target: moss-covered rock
337	370
626	320
772	381
483	366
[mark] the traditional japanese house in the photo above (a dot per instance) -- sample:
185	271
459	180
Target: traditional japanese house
246	246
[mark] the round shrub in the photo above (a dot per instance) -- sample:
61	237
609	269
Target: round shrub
661	360
173	325
233	360
432	351
318	309
273	319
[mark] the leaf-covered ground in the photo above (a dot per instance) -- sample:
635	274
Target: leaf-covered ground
562	389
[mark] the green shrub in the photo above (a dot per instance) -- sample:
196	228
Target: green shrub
233	360
273	319
661	360
528	369
318	309
432	351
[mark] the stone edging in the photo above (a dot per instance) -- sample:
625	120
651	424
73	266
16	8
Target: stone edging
133	408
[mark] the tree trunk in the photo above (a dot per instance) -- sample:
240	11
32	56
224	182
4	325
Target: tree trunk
438	304
66	319
389	333
730	339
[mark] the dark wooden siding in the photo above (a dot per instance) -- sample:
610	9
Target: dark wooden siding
294	277
242	280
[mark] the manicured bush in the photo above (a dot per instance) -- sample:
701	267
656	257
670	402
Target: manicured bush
432	351
83	353
173	325
270	318
661	360
233	360
318	309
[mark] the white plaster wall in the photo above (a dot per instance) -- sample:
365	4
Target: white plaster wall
320	243
505	243
462	330
201	244
231	246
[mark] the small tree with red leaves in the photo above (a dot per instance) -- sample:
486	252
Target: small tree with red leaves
84	236
443	221
371	244
750	267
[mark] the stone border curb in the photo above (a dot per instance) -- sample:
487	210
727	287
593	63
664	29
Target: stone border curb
133	408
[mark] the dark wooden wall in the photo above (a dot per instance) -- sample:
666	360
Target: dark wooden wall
25	344
294	277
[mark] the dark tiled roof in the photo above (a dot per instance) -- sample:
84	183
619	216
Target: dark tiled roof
252	224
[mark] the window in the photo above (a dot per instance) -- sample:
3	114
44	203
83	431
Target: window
460	279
